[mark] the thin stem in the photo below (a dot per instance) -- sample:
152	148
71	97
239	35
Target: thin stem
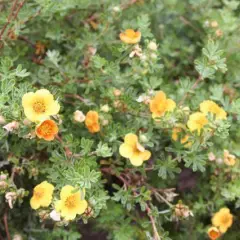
6	225
155	232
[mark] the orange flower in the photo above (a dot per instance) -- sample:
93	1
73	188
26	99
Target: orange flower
160	104
92	122
130	36
47	130
213	233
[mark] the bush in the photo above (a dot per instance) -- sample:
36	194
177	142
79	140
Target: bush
119	119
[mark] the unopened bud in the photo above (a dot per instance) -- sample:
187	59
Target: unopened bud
78	116
105	108
11	126
152	46
214	24
117	92
3	185
3	177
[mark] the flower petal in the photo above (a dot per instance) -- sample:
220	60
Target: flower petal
131	139
126	150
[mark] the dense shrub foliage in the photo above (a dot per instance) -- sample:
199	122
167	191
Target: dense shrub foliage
119	119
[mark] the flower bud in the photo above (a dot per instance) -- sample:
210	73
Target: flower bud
219	33
214	24
55	216
152	46
11	126
116	9
3	177
34	172
10	198
17	237
211	156
143	138
3	185
105	108
117	92
182	211
26	122
79	116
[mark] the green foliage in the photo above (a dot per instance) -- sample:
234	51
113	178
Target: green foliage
189	49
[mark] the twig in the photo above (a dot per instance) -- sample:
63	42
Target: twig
187	22
155	232
26	40
67	150
76	96
8	19
192	88
6	225
12	16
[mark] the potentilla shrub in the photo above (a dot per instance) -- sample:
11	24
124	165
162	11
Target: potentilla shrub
119	119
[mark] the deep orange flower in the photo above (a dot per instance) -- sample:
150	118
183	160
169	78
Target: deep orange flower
92	122
214	233
130	36
47	130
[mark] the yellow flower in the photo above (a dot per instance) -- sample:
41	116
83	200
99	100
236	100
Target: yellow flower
184	138
133	150
211	107
229	159
42	195
197	121
223	219
214	233
130	36
40	105
71	203
160	104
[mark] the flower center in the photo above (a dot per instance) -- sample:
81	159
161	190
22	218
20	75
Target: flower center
38	193
39	107
70	201
46	128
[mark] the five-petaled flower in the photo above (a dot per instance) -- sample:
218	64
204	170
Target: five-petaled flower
92	122
161	104
229	159
71	202
197	121
213	233
223	219
133	150
40	105
47	130
130	36
211	107
42	195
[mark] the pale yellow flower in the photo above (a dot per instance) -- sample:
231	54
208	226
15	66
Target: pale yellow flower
42	195
223	219
133	150
40	105
211	107
197	121
71	202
